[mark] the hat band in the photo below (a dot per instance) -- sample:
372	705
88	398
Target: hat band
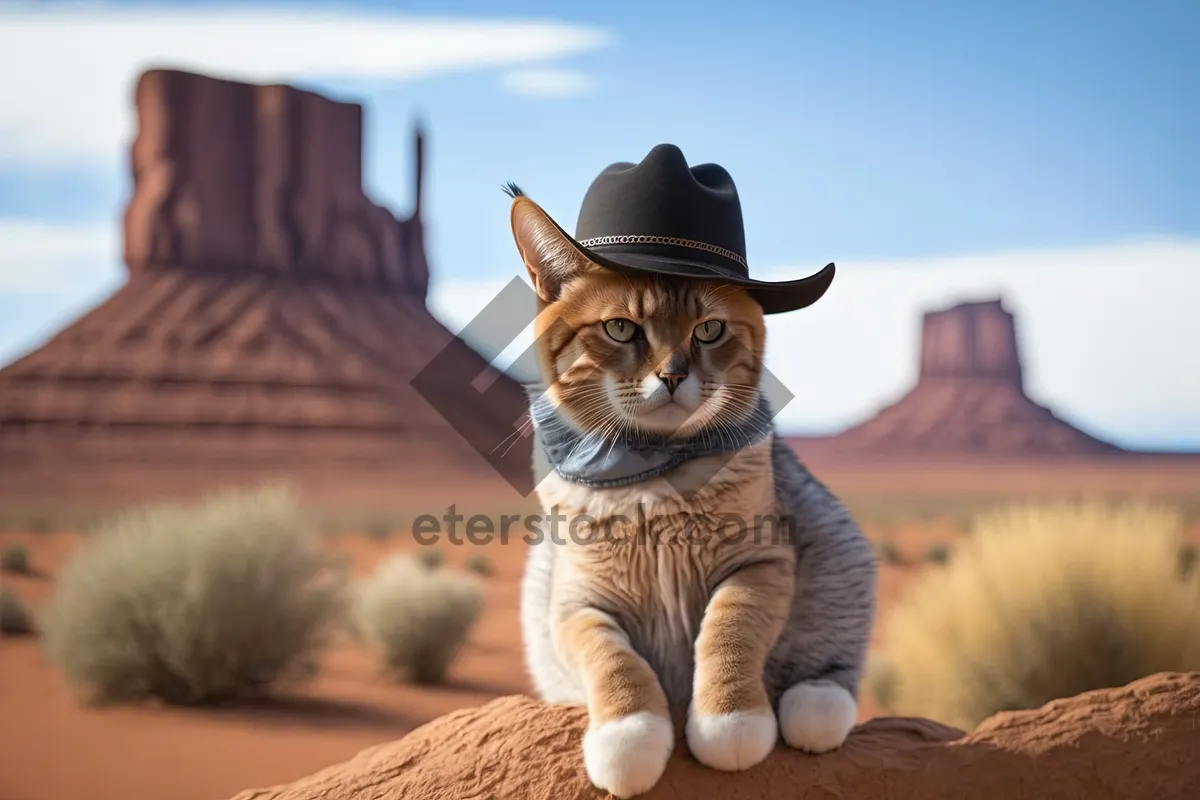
600	241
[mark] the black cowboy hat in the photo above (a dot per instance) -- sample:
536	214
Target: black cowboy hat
663	217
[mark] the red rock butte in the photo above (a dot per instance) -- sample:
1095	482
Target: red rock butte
969	400
270	326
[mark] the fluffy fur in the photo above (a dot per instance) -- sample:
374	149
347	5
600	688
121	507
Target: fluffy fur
738	637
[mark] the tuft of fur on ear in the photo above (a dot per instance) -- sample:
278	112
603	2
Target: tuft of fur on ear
552	261
512	190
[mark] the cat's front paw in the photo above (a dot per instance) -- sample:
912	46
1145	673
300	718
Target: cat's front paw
731	742
816	717
627	755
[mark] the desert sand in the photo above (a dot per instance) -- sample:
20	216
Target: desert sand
198	754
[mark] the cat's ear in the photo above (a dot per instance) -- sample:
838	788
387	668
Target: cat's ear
551	259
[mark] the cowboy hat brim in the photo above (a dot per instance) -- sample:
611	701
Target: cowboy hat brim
775	297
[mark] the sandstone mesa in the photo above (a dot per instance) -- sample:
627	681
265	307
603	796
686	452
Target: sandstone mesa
273	317
969	399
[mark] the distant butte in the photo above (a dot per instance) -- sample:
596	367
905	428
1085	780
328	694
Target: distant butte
969	401
270	325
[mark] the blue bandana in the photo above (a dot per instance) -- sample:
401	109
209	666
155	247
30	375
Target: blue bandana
603	462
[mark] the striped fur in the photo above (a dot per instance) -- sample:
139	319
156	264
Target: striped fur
674	621
831	599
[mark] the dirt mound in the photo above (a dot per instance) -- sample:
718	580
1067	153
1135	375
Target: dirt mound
969	400
273	320
1135	742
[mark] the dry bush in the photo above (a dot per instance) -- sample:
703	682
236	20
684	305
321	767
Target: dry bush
380	530
880	679
480	564
415	617
430	557
15	619
40	525
937	553
887	551
1042	603
195	604
15	559
1188	555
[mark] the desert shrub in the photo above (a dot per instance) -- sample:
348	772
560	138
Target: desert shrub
380	529
15	559
1188	555
416	618
197	603
430	557
937	553
887	551
480	564
880	680
1042	603
40	525
15	619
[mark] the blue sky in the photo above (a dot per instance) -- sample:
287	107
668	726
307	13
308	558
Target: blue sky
874	133
855	130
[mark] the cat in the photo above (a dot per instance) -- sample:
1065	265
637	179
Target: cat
651	613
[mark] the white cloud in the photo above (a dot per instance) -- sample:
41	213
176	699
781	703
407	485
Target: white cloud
546	82
1110	335
41	257
80	62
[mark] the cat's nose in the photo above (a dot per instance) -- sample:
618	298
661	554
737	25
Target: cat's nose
673	372
672	380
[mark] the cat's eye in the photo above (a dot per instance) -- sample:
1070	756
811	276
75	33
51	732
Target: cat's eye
709	331
622	330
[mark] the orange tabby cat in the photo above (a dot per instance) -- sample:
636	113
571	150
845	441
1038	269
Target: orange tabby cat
677	600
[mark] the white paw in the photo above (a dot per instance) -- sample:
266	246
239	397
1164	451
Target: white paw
731	742
627	756
816	717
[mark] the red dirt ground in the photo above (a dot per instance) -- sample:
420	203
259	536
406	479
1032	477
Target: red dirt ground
54	748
